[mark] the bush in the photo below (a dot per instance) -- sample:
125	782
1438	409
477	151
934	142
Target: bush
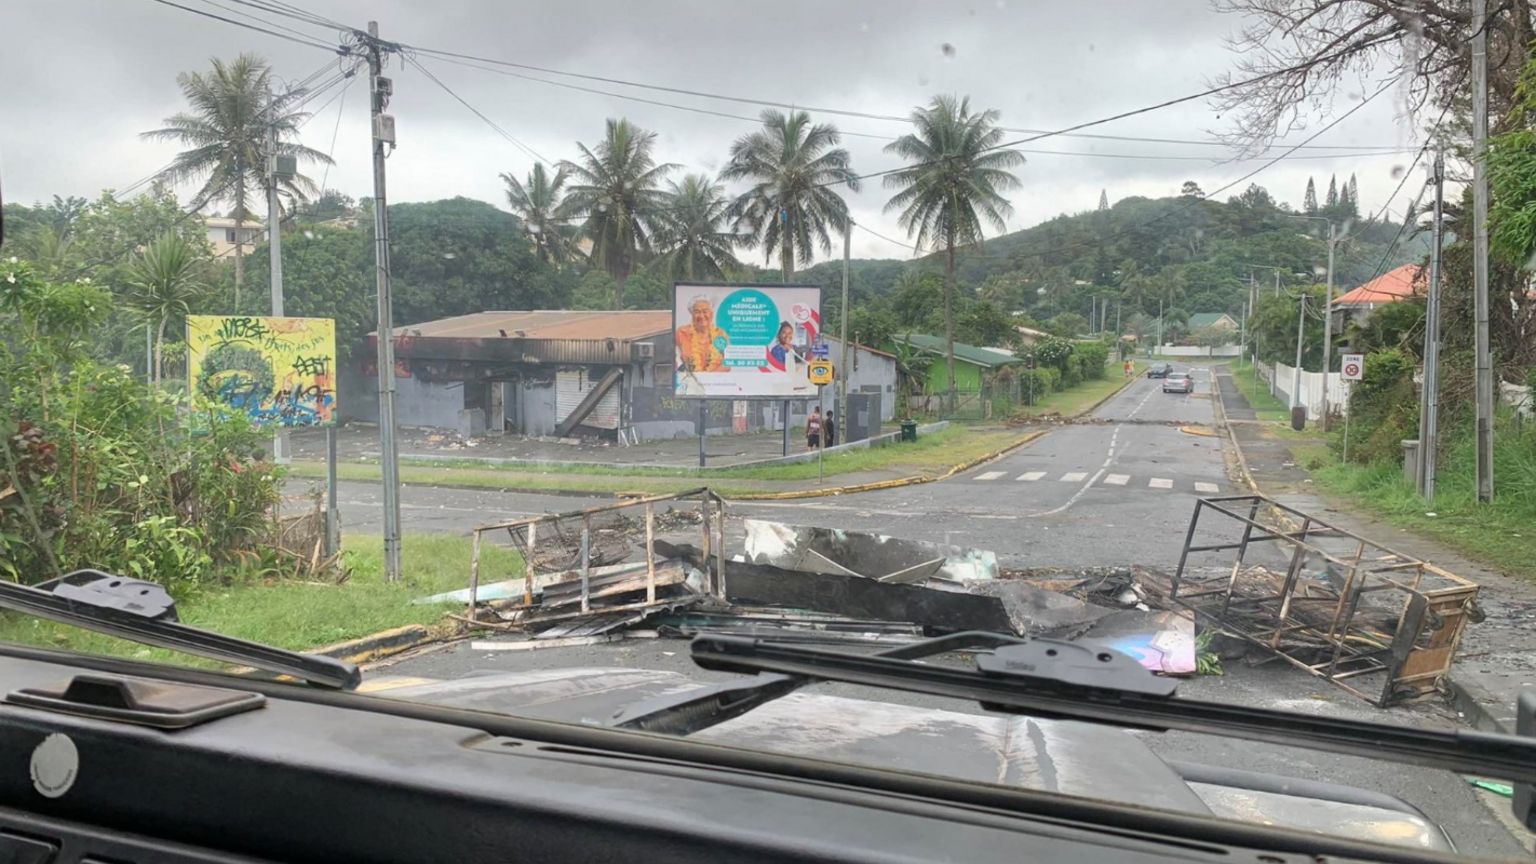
1094	357
1071	378
107	475
1052	377
1051	351
1383	409
1035	384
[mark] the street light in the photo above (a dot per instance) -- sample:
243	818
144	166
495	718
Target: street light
1334	236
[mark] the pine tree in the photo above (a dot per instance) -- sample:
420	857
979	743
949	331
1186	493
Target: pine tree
1103	199
1309	201
1333	192
1354	191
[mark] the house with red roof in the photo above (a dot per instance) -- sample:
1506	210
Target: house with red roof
1390	287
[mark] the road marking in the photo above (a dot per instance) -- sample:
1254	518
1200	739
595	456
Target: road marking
1160	483
1117	479
990	475
1073	476
1031	475
1207	487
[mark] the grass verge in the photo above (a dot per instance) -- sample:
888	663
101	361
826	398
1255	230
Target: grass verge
1264	405
930	454
293	614
1500	534
1078	399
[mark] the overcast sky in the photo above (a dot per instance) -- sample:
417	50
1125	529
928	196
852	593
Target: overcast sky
81	79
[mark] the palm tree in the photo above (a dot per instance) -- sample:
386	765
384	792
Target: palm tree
227	130
792	165
616	192
692	234
952	187
537	204
164	281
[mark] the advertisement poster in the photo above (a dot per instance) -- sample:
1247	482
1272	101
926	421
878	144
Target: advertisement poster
744	341
278	371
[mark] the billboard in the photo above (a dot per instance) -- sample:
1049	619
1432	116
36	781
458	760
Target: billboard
277	371
744	341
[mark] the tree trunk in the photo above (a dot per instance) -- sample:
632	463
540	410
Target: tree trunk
239	259
949	316
159	353
619	279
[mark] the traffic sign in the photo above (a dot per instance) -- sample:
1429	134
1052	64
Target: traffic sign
1354	367
821	349
820	372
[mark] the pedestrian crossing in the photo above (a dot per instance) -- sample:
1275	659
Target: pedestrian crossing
1124	480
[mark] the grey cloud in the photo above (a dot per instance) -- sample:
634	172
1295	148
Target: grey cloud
82	77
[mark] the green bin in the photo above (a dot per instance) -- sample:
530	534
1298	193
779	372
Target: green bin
909	430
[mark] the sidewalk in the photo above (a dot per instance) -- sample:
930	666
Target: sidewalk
1495	663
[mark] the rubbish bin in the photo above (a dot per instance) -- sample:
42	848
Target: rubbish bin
909	430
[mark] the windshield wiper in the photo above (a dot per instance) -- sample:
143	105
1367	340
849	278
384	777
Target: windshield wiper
1079	681
701	708
143	612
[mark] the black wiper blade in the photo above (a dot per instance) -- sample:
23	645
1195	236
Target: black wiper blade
695	710
1025	679
141	612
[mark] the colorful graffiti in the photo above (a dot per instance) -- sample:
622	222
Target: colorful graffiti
278	371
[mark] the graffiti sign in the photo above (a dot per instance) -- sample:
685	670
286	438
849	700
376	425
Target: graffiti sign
278	371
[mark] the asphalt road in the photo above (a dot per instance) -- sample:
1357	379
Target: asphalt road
1117	490
1114	493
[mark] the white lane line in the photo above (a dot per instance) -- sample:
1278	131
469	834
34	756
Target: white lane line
1211	488
1073	476
1031	476
1117	479
1160	483
990	475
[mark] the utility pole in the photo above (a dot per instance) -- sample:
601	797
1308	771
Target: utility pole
275	257
1429	410
1301	326
842	336
1334	236
1483	382
380	88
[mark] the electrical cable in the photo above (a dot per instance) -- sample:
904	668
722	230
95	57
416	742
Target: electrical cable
476	111
259	29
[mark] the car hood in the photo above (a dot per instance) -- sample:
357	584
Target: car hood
1068	757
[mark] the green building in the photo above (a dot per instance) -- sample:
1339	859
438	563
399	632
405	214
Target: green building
974	366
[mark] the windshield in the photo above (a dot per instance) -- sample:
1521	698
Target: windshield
554	342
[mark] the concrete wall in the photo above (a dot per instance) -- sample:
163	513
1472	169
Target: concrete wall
1282	379
1196	351
417	402
872	373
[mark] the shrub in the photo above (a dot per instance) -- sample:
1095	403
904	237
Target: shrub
1383	409
1035	384
1094	356
1051	351
1071	378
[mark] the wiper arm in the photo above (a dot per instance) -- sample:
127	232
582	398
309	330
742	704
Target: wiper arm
704	707
1074	681
141	611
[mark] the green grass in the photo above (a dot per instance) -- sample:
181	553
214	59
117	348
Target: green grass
929	454
1267	407
1501	534
1069	403
298	615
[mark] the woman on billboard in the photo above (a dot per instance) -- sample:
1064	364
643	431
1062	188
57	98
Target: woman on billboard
700	344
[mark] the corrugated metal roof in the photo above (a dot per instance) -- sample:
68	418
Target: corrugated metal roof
545	324
964	353
1389	287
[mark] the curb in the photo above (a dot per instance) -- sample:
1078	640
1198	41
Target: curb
896	482
379	645
1469	701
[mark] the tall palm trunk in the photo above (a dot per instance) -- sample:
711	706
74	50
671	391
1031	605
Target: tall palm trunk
159	353
239	257
786	250
949	315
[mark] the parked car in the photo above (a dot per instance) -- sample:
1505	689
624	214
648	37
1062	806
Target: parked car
1178	382
1159	370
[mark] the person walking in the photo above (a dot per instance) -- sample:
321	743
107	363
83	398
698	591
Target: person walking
813	429
831	428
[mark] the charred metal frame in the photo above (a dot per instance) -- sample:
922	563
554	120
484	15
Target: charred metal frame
524	534
1413	658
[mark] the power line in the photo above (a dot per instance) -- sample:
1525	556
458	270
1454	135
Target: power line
259	29
1072	131
300	33
288	10
1211	160
476	111
866	228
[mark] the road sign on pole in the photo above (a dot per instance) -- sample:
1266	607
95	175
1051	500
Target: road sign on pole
820	372
1354	367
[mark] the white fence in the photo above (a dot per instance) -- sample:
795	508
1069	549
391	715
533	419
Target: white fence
1280	377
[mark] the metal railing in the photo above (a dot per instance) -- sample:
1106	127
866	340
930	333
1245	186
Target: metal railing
1362	609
